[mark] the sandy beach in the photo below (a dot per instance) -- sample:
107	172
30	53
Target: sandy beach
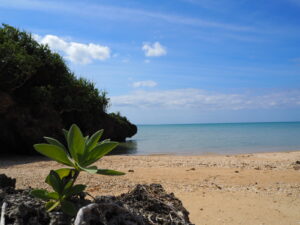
252	189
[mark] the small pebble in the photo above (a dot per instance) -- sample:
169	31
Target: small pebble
130	171
297	167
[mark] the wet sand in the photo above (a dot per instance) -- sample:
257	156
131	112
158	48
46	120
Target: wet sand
248	189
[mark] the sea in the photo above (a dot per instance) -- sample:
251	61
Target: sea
214	138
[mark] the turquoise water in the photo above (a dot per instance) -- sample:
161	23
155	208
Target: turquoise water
223	138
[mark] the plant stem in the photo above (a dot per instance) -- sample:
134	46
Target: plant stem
75	176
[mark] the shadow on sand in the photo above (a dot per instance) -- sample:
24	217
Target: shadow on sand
12	160
125	148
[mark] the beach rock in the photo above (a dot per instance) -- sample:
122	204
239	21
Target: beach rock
6	182
23	209
152	204
144	205
107	214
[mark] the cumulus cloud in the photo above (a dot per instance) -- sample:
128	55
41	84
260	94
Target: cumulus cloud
145	83
154	50
206	101
74	51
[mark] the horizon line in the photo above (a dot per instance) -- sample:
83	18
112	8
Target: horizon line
197	123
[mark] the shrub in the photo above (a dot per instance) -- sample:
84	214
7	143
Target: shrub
39	95
80	153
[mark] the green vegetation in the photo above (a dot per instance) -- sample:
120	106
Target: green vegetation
64	190
80	154
39	96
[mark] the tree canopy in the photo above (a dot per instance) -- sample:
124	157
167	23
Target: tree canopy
39	96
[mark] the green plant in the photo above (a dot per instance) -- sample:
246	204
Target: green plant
62	182
80	153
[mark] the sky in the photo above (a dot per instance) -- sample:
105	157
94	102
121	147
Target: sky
177	61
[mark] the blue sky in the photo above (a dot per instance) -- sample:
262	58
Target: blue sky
177	61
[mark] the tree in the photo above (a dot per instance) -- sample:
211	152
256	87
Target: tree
39	96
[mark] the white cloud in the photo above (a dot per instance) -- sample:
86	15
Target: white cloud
207	101
145	83
101	11
154	50
74	51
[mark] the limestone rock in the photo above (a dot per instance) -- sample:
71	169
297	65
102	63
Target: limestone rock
144	205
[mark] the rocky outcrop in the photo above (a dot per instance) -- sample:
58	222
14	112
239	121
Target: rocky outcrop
155	205
144	205
107	214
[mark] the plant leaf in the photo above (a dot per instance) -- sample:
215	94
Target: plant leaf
53	195
53	152
91	169
76	142
75	190
109	172
99	151
68	207
67	183
40	193
53	141
92	142
64	172
66	132
105	141
51	205
55	182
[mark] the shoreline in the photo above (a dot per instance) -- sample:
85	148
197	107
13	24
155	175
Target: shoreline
5	156
253	189
210	153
